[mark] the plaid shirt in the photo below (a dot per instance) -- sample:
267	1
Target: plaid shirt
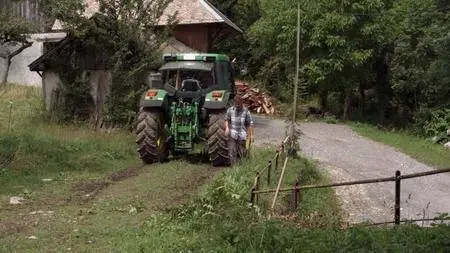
238	122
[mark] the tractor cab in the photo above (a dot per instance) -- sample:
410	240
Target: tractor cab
188	76
195	72
185	106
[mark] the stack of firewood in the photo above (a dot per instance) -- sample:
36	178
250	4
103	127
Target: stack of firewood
254	99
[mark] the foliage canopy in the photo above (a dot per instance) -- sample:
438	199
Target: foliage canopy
379	60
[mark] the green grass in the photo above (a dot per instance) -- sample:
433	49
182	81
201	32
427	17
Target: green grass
418	148
33	149
220	222
91	212
178	206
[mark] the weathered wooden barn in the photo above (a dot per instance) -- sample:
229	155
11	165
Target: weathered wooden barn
198	25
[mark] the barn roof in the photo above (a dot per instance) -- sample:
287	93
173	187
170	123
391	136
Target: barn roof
40	63
187	12
195	12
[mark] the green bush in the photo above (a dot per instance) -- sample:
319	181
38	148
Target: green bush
435	124
330	120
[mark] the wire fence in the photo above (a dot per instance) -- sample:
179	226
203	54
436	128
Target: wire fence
296	190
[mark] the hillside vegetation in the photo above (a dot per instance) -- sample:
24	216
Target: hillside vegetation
379	61
100	200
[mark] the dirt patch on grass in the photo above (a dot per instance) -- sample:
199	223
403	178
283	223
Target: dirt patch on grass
88	190
124	174
159	186
8	227
185	190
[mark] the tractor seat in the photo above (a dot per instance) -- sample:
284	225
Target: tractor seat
190	85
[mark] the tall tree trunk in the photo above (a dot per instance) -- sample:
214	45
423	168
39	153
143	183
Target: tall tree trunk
383	88
347	104
383	93
4	69
323	100
362	99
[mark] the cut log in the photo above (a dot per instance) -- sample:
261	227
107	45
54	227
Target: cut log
254	99
266	109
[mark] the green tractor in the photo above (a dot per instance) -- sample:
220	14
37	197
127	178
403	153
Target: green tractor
185	107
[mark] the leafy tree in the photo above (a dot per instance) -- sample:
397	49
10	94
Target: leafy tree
14	38
342	42
125	33
392	57
336	45
421	60
243	13
272	45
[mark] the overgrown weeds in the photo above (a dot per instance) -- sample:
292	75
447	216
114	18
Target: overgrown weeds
33	149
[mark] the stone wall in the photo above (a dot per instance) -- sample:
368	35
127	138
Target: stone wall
19	72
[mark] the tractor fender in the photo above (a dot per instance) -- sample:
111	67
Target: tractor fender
154	98
218	99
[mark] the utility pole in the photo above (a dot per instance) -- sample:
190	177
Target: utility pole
294	109
297	65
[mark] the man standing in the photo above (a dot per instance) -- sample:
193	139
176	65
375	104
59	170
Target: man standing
238	126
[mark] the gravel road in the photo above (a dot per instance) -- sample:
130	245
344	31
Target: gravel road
346	156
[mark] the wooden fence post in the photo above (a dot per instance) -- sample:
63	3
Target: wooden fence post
295	197
269	171
397	197
257	185
252	197
276	160
297	194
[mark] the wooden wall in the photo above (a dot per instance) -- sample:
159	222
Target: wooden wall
194	36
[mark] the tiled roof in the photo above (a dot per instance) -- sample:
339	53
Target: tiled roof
195	12
187	12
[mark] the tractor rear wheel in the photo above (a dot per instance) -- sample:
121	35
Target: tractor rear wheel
217	140
150	137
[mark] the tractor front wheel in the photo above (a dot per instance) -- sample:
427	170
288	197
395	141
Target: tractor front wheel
150	137
217	140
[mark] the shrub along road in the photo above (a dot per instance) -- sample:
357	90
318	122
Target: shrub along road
346	156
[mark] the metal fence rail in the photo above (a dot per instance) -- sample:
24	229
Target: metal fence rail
271	167
297	188
367	181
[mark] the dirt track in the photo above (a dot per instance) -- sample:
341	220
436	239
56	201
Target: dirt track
347	156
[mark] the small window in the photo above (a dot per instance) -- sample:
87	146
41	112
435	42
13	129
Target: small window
224	75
